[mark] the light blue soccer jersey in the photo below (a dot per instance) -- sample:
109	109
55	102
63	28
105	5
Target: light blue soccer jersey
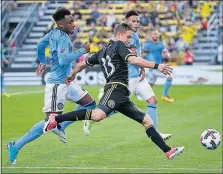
62	55
154	51
2	51
133	69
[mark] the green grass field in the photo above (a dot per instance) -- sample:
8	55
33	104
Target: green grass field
117	144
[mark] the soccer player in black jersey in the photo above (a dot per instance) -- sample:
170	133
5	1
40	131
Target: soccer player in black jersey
113	59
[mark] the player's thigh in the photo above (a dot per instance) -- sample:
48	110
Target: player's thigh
144	90
75	92
130	110
133	82
55	97
114	96
152	76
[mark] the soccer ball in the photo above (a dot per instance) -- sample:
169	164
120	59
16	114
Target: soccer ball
210	139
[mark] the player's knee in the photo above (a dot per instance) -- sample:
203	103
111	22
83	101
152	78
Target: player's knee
147	121
152	100
97	115
48	114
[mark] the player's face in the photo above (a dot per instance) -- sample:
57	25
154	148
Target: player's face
126	37
155	35
134	22
68	24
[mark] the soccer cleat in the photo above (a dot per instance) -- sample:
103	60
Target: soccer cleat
165	136
60	134
5	94
86	127
174	151
12	152
50	124
167	99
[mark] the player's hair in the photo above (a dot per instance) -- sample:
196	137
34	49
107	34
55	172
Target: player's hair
120	28
154	29
131	13
60	13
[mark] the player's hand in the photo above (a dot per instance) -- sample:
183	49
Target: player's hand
40	70
142	74
69	79
86	46
6	61
165	69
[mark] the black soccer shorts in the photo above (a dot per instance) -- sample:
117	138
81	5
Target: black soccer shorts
116	97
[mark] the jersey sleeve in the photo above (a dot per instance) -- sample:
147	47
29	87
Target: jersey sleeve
93	60
123	51
66	56
41	46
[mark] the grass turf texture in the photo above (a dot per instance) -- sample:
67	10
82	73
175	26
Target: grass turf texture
116	144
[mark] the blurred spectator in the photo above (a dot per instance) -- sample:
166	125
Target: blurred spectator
103	20
110	18
144	19
204	24
103	5
205	9
77	14
188	56
154	15
95	14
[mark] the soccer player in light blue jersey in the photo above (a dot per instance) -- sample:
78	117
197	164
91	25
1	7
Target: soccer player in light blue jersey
137	84
56	90
155	51
3	61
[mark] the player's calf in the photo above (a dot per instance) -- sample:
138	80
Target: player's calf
158	140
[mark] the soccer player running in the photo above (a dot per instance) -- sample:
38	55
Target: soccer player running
137	84
155	51
56	91
114	59
3	61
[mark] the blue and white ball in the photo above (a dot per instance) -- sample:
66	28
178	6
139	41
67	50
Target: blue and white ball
210	139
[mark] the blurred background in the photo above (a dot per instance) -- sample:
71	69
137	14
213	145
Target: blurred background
191	30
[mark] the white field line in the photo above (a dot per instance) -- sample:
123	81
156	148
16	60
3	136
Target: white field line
113	168
26	92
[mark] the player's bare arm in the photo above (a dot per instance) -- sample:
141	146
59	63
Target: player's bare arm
79	67
138	61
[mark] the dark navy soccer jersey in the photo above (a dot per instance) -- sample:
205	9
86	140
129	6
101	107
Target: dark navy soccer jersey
113	61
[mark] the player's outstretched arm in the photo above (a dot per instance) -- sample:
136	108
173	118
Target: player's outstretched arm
138	61
67	58
79	67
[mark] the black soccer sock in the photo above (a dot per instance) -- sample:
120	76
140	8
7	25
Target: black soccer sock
82	114
157	139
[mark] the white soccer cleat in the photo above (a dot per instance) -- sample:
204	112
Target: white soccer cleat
86	127
165	136
60	134
174	151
